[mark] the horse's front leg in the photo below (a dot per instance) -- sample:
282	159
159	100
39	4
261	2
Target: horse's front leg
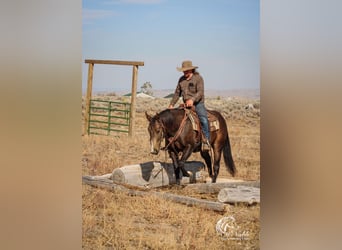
186	154
174	158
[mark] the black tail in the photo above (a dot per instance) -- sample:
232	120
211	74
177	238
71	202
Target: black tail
228	158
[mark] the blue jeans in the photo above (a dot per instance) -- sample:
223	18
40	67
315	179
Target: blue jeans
203	117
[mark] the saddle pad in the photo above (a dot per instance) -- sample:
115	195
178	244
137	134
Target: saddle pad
213	122
214	125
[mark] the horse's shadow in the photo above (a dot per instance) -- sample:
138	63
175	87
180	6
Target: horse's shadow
153	172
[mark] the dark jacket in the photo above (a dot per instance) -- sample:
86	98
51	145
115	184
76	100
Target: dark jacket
189	89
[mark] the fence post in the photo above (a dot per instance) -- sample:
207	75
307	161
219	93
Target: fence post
88	97
133	100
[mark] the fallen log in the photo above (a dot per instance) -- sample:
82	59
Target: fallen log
156	174
189	201
214	188
99	177
239	194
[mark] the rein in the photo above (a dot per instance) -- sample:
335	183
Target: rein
178	133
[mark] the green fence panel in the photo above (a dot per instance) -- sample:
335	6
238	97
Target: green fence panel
107	116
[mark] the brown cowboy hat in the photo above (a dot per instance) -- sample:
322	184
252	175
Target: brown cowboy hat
186	65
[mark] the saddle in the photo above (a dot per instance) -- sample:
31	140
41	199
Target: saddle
214	124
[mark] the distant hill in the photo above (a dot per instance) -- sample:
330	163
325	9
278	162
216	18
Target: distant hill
169	95
247	93
140	94
210	93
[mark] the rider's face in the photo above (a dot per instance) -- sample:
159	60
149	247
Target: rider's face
187	73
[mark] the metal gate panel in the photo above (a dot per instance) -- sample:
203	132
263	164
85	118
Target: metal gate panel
107	116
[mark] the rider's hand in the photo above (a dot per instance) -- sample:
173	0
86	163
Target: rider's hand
170	107
189	103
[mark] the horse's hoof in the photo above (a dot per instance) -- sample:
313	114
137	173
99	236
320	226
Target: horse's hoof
187	174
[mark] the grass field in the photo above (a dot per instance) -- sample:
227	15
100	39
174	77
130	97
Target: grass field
113	220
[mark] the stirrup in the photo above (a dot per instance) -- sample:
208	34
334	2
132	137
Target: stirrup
206	146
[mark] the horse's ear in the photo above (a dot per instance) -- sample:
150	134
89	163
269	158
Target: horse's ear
149	118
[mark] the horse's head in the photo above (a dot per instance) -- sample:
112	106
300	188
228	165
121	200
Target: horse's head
155	129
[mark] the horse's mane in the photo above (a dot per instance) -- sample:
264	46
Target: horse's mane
168	115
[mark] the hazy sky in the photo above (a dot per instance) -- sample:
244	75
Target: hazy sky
221	37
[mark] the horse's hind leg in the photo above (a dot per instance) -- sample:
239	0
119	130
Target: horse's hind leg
217	158
206	156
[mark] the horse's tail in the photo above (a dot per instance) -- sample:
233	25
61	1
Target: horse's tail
228	158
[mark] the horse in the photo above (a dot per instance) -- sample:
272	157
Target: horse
176	128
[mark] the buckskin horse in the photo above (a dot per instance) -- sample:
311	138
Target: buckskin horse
178	129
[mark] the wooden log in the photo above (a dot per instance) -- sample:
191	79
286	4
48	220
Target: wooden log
156	174
115	62
103	183
189	201
239	194
99	177
214	188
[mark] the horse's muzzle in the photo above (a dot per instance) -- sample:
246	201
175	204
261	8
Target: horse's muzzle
154	152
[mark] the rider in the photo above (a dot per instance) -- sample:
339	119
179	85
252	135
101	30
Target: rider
191	87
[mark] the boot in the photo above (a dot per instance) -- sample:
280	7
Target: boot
205	145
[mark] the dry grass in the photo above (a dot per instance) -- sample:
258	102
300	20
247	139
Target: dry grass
113	220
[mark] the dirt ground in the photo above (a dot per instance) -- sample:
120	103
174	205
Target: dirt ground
113	220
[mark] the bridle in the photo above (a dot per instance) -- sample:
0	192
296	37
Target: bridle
178	133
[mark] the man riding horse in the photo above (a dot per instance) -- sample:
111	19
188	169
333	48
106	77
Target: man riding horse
191	87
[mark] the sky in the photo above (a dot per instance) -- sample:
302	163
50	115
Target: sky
221	37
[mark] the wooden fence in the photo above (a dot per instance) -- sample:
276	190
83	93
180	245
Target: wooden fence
135	65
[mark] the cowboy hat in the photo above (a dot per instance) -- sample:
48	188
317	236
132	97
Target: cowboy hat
186	65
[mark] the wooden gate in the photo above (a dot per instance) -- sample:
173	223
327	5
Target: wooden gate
131	112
